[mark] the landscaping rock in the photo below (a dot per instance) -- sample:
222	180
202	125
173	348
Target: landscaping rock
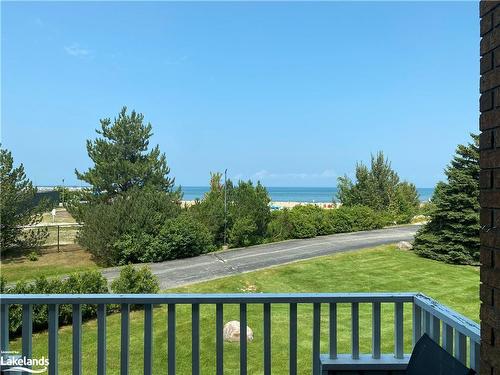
231	332
404	245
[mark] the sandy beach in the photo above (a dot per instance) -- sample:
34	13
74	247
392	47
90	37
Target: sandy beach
281	205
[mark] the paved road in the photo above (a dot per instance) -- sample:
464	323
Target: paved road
224	263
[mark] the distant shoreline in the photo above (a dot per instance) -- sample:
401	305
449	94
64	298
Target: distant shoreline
285	196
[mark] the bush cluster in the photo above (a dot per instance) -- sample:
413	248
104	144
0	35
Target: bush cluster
248	212
90	282
310	221
379	187
179	237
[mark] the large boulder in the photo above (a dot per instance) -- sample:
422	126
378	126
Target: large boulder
404	245
231	332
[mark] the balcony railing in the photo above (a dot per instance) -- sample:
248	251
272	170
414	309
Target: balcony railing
455	333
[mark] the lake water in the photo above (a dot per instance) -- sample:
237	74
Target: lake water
293	194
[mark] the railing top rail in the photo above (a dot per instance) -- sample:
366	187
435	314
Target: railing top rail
452	318
204	298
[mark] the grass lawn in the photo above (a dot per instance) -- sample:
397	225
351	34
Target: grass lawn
62	216
48	264
383	269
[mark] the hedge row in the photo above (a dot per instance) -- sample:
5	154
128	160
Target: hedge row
131	280
310	221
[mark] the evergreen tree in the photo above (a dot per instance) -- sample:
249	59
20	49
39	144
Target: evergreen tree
248	211
379	188
452	234
121	160
17	207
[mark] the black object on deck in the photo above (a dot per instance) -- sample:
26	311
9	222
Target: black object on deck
429	358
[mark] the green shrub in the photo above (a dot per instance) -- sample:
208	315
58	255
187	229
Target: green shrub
309	221
355	218
90	282
304	222
135	248
33	256
181	237
3	284
378	186
242	232
280	226
248	212
137	214
135	281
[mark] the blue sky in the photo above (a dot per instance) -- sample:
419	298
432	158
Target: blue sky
292	94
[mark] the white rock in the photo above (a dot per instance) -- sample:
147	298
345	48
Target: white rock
231	332
404	245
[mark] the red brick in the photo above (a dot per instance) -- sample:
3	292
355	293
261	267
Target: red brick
487	6
489	80
490	119
486	62
486	257
488	316
485	179
492	355
486	293
489	159
490	239
486	140
486	101
487	23
496	178
489	41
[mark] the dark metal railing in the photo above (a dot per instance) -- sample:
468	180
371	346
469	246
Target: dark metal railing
453	331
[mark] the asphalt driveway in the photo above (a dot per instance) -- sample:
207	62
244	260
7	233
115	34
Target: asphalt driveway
224	263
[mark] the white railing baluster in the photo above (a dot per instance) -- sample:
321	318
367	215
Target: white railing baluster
398	330
474	355
417	324
435	328
427	322
447	338
461	347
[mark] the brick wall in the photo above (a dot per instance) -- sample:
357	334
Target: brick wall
489	124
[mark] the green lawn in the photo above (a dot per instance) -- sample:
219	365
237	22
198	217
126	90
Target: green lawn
383	269
16	268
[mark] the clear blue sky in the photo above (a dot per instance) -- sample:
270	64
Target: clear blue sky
290	93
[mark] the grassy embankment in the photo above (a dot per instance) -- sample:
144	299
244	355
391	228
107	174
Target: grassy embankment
383	269
16	266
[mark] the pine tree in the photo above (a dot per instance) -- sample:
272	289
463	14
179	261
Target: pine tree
17	207
452	234
121	160
380	188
